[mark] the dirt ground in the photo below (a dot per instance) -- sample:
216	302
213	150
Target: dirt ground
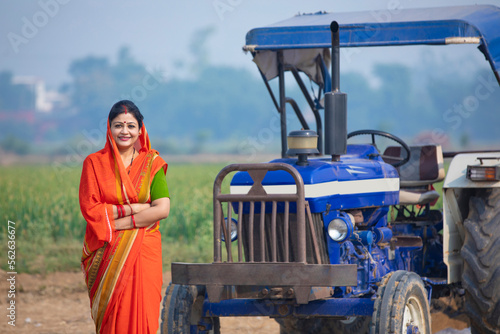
58	303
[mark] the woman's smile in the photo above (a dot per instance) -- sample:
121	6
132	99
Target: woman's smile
125	130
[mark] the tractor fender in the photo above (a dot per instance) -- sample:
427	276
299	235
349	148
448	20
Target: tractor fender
457	190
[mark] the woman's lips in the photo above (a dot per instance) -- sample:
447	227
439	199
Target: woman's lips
124	138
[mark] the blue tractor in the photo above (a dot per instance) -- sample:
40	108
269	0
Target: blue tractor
309	239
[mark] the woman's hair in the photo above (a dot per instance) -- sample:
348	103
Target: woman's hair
125	106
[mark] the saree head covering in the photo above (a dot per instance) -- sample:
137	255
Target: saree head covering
122	267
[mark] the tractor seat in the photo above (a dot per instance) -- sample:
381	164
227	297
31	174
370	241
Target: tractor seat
424	168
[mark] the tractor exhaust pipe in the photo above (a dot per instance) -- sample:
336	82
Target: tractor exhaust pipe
335	105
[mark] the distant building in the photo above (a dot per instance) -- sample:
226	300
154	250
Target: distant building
44	100
28	107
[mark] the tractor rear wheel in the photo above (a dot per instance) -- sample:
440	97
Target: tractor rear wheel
182	309
481	254
401	305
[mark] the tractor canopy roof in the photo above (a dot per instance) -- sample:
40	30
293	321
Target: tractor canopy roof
306	36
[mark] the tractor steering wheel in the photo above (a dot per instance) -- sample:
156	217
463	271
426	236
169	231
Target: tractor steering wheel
398	160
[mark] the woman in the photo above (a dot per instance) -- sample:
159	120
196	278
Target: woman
123	195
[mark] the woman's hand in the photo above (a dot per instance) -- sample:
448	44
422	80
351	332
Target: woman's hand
124	223
138	207
130	209
149	214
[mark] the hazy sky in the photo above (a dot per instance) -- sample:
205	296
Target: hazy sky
42	37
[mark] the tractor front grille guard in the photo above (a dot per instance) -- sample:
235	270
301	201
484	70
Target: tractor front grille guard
266	235
282	248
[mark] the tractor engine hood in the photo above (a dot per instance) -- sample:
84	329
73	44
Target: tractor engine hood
353	182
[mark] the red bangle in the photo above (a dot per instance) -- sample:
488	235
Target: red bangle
119	209
131	211
133	221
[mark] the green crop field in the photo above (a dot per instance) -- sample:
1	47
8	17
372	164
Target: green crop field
49	228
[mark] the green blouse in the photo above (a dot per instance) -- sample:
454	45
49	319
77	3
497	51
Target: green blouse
159	188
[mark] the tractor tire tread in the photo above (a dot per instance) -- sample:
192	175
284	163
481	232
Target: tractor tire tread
391	298
481	254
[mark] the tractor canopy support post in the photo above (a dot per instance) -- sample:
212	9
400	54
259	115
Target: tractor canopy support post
282	100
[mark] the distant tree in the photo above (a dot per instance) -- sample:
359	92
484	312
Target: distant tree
467	107
127	70
201	139
91	86
393	99
14	144
96	84
361	101
226	102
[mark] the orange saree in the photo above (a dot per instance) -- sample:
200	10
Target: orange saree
123	268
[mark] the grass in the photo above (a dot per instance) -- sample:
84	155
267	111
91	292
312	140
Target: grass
43	202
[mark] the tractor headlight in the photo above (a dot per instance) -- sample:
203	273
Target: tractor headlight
231	228
340	228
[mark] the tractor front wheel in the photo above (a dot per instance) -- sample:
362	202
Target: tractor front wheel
182	311
401	305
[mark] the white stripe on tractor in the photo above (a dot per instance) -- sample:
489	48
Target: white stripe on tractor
329	188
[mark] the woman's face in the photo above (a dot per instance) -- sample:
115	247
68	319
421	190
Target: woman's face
125	130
